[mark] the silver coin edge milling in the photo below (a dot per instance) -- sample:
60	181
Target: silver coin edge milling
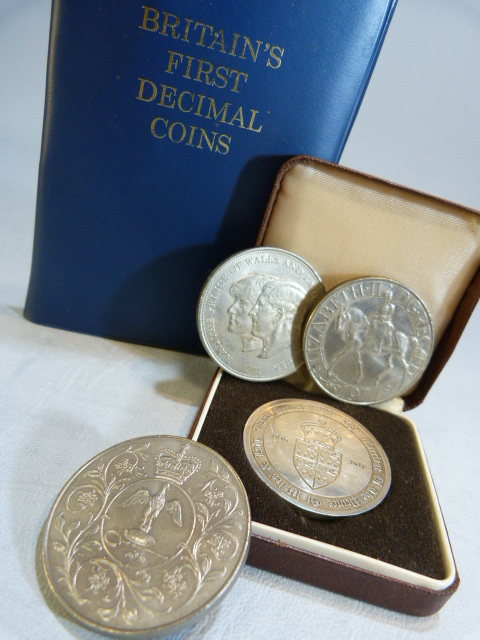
202	297
181	623
303	510
325	299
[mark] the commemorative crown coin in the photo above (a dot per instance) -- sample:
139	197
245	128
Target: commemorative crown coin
147	536
252	309
368	340
317	458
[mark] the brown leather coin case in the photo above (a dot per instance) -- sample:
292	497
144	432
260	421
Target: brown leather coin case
349	225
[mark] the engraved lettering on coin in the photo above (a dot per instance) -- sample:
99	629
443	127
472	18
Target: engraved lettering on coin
251	312
368	341
317	458
147	535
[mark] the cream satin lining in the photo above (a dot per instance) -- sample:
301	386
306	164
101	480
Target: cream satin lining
348	226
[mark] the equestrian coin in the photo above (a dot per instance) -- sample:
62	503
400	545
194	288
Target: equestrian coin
316	457
368	340
251	312
147	536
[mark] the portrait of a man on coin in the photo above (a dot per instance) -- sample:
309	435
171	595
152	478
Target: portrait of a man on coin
245	293
274	313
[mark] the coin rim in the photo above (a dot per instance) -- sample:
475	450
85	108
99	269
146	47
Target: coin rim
201	304
319	382
176	625
304	509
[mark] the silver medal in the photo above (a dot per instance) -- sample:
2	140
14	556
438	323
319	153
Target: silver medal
368	340
146	536
317	458
252	309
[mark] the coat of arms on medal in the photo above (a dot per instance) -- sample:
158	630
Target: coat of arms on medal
314	457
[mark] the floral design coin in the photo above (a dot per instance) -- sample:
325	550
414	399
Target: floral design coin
368	340
316	457
251	312
146	536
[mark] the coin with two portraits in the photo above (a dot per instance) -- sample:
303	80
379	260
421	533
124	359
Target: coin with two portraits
251	312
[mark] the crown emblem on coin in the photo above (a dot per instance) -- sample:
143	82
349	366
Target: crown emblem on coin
319	433
176	465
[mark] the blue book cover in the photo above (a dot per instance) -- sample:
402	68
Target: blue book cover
165	125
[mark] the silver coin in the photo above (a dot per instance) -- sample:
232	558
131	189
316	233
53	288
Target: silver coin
251	312
368	340
147	536
316	457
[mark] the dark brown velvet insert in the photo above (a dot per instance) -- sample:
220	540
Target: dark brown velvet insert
400	531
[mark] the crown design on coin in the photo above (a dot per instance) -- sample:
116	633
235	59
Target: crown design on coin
319	433
176	465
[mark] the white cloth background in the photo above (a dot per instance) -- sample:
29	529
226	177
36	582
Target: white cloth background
64	397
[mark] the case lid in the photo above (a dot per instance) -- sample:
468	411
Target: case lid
348	224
